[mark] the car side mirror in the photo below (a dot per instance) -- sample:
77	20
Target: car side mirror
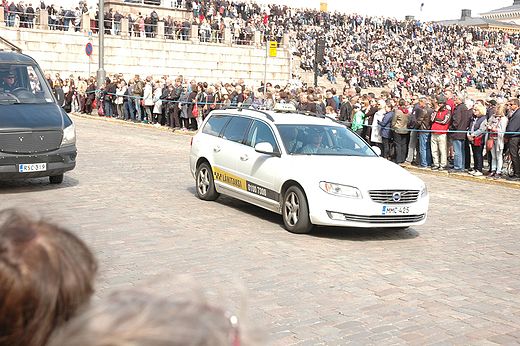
377	150
266	148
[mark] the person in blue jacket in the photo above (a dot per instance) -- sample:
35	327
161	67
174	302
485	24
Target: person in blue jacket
386	131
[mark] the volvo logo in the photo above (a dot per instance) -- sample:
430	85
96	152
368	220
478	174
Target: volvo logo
396	197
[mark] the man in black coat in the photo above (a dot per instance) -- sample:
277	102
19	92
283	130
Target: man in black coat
513	135
460	120
29	15
345	111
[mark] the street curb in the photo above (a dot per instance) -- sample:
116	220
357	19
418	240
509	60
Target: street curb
132	124
459	176
466	177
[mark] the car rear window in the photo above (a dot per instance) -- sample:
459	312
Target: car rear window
215	124
236	129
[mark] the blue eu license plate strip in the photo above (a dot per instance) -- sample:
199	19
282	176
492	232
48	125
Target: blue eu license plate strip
395	210
32	167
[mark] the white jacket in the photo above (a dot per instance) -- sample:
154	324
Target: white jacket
498	124
148	95
375	136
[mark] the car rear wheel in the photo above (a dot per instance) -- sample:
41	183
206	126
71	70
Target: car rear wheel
295	211
56	179
205	184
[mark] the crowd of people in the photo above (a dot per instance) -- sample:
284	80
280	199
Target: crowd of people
446	131
361	51
47	279
382	52
212	17
407	58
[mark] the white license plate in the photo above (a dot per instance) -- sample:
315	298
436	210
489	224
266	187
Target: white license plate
32	167
395	210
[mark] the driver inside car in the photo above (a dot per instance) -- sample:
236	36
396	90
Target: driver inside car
315	142
8	82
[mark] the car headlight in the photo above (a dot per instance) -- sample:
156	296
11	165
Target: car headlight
340	190
424	191
69	135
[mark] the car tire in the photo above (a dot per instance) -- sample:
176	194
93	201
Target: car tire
56	179
204	183
295	211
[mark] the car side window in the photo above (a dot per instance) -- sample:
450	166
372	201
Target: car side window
236	129
261	132
215	124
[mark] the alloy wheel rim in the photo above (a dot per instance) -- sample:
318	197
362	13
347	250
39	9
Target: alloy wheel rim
203	181
292	209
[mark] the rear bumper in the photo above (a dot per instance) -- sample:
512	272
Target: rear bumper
58	162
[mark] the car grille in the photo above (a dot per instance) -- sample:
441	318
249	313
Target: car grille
387	196
30	142
387	219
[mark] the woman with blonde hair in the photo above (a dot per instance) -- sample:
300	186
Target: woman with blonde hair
477	130
497	126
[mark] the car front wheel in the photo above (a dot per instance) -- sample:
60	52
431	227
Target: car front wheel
205	184
295	211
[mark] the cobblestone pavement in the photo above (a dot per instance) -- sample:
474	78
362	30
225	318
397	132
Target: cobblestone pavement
455	280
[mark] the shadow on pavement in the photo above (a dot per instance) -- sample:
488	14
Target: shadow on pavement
364	234
339	233
35	184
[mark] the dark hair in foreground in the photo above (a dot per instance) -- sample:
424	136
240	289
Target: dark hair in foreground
137	317
46	274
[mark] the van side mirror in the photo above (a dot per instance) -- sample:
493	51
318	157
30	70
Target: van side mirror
377	150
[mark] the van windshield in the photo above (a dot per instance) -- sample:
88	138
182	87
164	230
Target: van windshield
21	84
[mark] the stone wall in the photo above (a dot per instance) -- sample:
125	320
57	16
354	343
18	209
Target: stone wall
64	52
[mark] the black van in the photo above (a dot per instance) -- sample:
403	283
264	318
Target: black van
37	137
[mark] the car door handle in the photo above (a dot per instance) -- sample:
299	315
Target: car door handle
217	149
244	157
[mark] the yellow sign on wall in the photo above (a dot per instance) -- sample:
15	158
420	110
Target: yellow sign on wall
273	45
323	6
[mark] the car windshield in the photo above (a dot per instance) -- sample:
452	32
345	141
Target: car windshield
322	140
21	84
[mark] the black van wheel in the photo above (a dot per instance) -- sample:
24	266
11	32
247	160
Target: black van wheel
56	179
295	211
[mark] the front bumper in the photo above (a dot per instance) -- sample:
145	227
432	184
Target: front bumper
58	162
329	210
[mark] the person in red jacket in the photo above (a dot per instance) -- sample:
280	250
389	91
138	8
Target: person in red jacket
439	143
450	99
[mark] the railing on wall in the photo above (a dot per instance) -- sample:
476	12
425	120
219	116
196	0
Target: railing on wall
9	44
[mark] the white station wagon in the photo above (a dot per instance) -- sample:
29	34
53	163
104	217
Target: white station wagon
311	170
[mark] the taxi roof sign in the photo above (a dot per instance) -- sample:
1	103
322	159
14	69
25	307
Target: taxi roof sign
284	107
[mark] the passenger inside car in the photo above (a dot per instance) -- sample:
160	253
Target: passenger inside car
291	140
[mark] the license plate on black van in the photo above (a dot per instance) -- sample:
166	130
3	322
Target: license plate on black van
32	167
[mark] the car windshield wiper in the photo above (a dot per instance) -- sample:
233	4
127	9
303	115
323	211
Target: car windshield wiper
9	102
